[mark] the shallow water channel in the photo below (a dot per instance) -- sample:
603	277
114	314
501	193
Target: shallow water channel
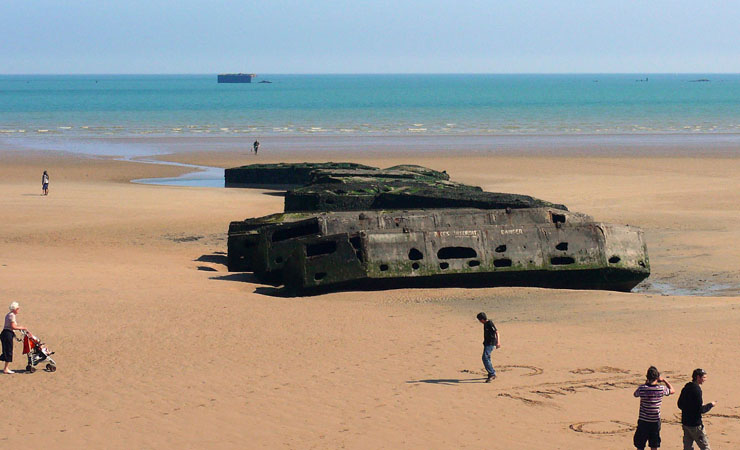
201	176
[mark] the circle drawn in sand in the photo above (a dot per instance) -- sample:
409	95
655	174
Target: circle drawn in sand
602	427
532	370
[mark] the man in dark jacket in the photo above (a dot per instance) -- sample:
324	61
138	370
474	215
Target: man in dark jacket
690	402
490	340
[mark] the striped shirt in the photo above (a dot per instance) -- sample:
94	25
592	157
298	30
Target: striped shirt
651	397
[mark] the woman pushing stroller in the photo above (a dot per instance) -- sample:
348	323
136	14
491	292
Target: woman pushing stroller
8	334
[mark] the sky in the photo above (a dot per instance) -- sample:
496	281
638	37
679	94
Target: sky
373	36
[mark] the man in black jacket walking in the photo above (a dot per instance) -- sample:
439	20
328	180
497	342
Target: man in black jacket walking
490	341
690	402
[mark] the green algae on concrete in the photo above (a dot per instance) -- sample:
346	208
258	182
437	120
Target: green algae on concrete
282	174
353	195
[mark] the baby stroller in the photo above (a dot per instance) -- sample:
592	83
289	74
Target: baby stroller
37	352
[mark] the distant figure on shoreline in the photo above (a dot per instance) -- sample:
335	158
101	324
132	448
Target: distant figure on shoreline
651	397
45	183
256	146
490	341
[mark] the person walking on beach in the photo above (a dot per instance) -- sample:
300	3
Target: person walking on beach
7	336
45	183
256	146
651	396
490	341
690	403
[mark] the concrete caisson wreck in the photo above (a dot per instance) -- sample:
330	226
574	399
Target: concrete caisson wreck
525	247
352	239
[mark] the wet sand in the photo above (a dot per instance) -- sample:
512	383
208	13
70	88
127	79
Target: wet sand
159	347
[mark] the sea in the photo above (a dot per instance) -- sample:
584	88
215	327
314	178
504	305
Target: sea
82	106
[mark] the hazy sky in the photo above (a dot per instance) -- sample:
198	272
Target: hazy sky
378	36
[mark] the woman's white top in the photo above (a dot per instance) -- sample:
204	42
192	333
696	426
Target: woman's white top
9	321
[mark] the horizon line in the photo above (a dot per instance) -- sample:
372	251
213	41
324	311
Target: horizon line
366	73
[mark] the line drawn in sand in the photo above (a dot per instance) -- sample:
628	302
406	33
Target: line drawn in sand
609	427
619	379
531	369
606	427
603	369
523	399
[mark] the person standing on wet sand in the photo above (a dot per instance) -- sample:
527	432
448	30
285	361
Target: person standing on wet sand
651	396
690	403
490	341
256	146
45	183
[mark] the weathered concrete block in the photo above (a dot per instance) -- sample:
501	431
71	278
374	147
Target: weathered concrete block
577	256
282	174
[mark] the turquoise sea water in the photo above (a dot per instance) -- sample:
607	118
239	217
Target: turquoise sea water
189	105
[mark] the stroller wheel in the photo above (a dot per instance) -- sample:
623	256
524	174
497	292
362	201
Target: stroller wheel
30	369
51	367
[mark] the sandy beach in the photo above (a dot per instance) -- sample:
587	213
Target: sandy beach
158	346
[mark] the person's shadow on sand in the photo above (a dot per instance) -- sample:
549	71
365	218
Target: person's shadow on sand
449	381
16	372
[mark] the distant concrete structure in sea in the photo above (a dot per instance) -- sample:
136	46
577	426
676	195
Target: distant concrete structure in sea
236	77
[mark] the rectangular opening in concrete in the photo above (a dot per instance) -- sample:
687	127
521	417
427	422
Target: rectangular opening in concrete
561	260
322	248
557	218
503	262
456	253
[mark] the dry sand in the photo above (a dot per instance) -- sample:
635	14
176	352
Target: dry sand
158	346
